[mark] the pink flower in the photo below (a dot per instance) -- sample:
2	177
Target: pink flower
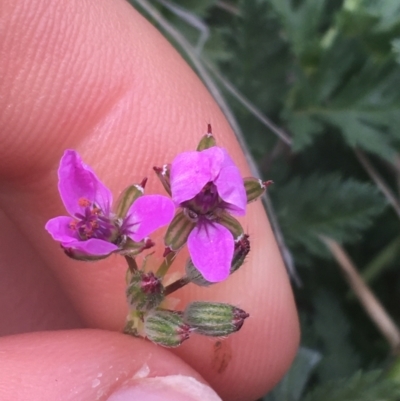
207	184
92	229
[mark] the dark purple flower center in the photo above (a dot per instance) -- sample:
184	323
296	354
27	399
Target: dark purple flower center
151	284
92	223
206	201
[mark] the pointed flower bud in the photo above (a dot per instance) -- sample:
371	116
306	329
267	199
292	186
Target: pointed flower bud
213	318
163	176
166	328
242	249
145	291
207	141
255	188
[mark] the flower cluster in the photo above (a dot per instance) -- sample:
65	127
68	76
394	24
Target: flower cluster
206	192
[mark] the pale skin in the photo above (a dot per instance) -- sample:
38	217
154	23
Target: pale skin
96	77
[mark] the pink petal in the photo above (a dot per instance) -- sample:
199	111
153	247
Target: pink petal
147	214
211	248
59	229
190	171
231	187
93	246
77	180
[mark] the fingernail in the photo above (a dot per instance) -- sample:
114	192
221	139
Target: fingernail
168	388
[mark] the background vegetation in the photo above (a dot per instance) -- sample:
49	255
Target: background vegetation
312	90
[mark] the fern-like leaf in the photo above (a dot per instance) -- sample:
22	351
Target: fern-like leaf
369	386
325	205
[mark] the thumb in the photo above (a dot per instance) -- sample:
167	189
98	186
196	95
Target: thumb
83	365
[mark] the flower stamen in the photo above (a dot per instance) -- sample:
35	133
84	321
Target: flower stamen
92	223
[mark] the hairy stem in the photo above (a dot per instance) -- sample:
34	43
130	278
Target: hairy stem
132	265
176	285
166	264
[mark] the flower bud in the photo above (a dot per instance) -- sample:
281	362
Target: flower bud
207	141
163	175
194	275
255	188
145	291
213	318
166	328
242	248
178	231
127	197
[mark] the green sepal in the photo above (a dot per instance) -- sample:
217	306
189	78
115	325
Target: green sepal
126	199
132	248
81	256
208	141
163	174
213	318
254	188
140	295
233	225
178	231
166	328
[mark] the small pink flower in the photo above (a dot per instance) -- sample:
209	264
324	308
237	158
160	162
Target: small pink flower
92	229
206	184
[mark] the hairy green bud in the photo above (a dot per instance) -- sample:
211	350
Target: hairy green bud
145	291
166	328
213	318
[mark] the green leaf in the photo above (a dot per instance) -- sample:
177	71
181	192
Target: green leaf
369	386
328	205
200	8
365	108
291	387
304	129
260	61
332	329
396	49
302	24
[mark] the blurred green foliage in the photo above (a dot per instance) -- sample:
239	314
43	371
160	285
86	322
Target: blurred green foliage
327	73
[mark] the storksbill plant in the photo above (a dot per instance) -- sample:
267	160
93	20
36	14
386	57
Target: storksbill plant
206	193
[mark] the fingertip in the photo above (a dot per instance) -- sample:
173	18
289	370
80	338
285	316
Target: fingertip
90	365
